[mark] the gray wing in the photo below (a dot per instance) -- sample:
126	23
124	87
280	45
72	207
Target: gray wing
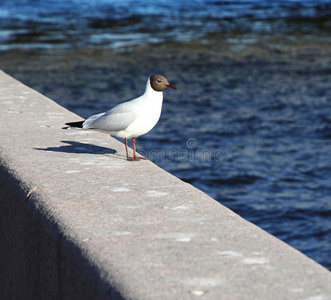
116	119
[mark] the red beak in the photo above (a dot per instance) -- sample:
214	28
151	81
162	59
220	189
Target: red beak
171	86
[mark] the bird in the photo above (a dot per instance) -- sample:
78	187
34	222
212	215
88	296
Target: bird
132	118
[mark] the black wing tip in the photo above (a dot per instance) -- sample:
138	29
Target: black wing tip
75	124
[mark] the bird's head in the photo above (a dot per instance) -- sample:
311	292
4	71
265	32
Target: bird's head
159	83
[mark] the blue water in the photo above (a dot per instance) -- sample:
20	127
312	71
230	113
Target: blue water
257	140
91	23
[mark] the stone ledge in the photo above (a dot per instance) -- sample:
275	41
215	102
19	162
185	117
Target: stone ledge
78	221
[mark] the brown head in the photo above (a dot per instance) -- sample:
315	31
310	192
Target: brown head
159	83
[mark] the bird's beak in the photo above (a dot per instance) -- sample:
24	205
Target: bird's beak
171	86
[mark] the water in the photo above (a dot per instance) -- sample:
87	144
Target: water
91	23
256	137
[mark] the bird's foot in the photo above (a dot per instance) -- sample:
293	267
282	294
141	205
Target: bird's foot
143	158
132	158
136	158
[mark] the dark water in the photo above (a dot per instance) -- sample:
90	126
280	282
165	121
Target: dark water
254	137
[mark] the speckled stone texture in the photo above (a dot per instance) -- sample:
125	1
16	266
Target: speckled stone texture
78	221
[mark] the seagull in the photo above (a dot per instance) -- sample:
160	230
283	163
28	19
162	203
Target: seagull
133	118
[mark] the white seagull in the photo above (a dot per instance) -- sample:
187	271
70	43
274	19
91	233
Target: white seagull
133	118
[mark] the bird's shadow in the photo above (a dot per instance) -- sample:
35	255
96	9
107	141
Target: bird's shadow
77	147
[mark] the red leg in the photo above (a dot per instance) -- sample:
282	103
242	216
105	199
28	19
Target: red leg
126	149
127	152
134	149
135	157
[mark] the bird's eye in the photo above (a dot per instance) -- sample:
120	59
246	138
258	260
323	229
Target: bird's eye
158	81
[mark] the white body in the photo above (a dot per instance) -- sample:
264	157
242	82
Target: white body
130	119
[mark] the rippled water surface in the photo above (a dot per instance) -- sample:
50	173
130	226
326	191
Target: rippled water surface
80	23
252	133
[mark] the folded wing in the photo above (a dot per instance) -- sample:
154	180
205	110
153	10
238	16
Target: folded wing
117	119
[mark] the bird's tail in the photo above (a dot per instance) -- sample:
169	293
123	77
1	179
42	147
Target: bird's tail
74	124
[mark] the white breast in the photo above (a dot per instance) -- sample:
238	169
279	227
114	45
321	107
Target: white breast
147	110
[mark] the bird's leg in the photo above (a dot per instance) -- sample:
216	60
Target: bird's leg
135	157
134	149
127	152
126	149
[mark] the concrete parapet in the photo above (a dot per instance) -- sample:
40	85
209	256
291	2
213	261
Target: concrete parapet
78	221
